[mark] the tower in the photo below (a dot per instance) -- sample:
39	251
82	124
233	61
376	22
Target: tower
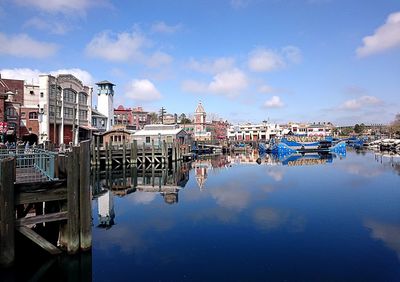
105	101
199	122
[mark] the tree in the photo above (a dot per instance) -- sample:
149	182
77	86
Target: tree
153	118
183	119
394	127
359	128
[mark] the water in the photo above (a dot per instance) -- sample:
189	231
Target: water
335	219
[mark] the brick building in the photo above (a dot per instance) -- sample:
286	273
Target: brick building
11	100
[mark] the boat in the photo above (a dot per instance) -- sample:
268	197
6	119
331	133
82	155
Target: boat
286	147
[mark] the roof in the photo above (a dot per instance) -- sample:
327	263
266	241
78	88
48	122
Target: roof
95	112
200	108
105	82
155	132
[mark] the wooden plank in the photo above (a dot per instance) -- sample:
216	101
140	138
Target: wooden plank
7	212
73	201
85	202
50	217
39	240
56	194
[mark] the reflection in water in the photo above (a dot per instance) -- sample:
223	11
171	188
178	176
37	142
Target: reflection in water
388	233
106	209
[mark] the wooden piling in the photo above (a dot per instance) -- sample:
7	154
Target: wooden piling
152	152
124	152
7	213
73	231
144	155
97	150
134	152
85	207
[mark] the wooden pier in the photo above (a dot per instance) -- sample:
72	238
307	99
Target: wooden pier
108	155
42	193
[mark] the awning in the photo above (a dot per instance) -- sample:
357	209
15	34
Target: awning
87	127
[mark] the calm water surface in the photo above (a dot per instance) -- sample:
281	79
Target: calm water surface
231	219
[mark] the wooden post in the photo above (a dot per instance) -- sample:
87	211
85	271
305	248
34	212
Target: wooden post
7	213
98	150
106	153
134	152
123	152
73	201
85	203
110	153
134	176
173	151
143	155
165	155
152	152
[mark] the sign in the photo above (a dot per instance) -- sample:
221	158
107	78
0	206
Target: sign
3	126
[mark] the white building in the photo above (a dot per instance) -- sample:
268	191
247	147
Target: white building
158	133
105	101
64	109
254	132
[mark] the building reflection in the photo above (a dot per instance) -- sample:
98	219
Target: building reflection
202	167
107	184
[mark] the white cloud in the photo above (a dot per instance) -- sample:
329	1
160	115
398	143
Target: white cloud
21	45
116	47
142	90
384	38
228	83
32	75
359	103
274	102
126	47
82	75
61	6
162	27
212	66
54	27
264	60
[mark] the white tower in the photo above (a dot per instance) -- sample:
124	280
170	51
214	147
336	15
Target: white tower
105	101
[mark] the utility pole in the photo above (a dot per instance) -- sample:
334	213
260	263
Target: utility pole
55	112
162	112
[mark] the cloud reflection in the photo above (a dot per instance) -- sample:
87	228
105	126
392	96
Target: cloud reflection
386	232
269	219
232	197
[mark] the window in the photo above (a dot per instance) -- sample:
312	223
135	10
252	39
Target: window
68	113
11	112
41	94
22	114
147	139
31	92
33	115
69	95
82	98
82	114
94	121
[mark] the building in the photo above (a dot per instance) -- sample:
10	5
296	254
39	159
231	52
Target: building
158	133
99	121
64	109
105	101
170	119
30	113
254	132
219	130
140	118
123	116
117	136
11	101
200	125
320	129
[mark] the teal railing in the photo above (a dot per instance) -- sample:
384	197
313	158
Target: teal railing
33	160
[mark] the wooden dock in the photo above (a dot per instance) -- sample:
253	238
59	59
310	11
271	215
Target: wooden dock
31	202
108	155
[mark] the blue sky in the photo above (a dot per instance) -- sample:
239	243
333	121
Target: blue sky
246	60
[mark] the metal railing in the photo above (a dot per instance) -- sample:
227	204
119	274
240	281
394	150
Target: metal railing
32	164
